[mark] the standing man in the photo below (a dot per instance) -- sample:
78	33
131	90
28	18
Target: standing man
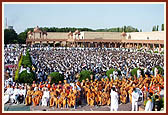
114	100
149	105
135	97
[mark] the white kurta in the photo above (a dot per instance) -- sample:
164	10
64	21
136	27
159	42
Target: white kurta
135	97
148	106
114	101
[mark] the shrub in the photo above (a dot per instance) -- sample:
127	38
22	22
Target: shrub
162	52
55	77
160	70
110	71
134	72
25	77
155	51
85	74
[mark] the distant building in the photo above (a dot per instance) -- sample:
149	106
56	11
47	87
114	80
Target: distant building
97	39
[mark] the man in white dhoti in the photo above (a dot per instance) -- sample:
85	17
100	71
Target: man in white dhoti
114	100
135	97
149	105
45	97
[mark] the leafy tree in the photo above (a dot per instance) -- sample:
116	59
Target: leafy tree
25	77
140	30
85	74
22	38
55	77
10	36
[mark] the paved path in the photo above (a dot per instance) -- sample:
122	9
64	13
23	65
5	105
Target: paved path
21	107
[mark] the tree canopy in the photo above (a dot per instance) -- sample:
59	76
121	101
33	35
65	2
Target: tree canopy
10	36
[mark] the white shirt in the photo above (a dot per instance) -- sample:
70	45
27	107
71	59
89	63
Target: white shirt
135	96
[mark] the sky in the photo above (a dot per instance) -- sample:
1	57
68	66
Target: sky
94	16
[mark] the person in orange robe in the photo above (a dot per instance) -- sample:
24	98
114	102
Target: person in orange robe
52	97
37	95
28	99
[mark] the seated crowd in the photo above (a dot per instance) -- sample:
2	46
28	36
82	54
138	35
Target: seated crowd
93	92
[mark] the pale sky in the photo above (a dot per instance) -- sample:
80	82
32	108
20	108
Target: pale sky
94	16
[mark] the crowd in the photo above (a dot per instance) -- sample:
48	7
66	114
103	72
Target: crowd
70	62
99	91
12	53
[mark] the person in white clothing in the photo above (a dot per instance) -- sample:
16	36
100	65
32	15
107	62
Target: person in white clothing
138	73
114	100
14	97
45	97
149	105
155	71
135	97
7	94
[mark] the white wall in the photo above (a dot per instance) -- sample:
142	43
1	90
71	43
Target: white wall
158	35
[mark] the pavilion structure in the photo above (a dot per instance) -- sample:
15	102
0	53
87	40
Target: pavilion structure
97	39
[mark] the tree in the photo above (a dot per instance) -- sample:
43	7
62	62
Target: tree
140	30
85	74
10	36
22	38
55	77
162	27
154	28
124	28
25	77
157	29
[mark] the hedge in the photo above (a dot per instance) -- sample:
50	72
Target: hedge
25	77
56	77
85	74
110	71
18	69
27	60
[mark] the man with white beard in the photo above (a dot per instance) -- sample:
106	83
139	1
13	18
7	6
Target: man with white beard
114	99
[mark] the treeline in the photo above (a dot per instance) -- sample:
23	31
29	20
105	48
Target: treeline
72	29
156	28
